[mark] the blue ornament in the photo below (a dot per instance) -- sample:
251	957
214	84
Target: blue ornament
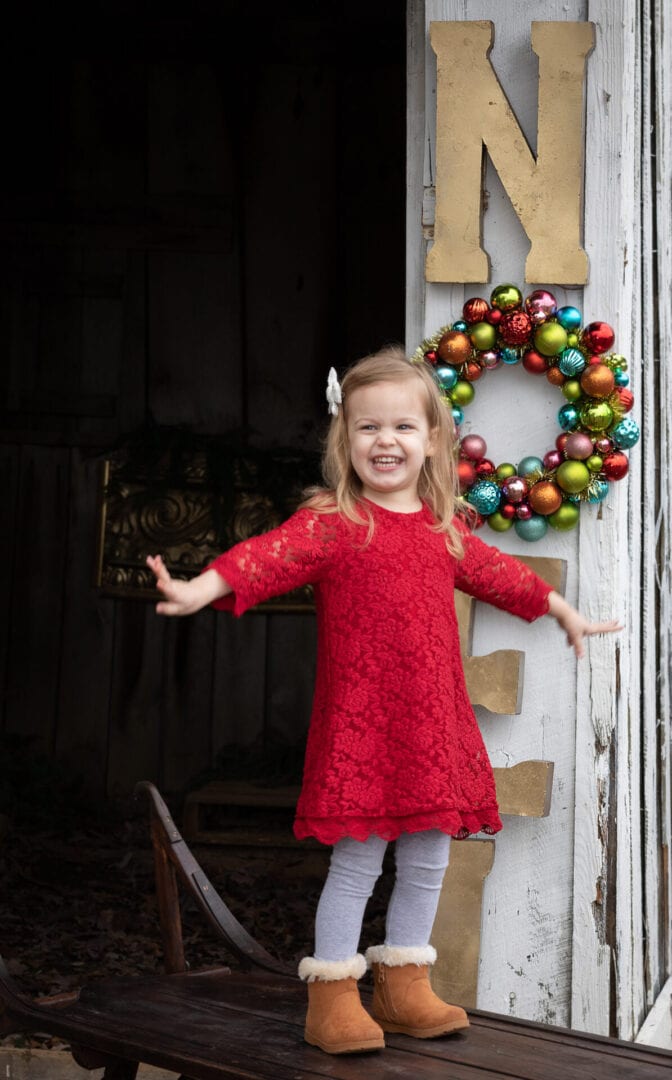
597	491
460	325
447	377
529	464
485	496
621	378
533	529
571	362
509	356
626	433
458	415
569	318
568	417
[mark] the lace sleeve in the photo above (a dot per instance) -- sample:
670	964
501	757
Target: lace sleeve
273	563
488	574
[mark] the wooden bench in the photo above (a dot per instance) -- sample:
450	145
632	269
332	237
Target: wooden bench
217	1023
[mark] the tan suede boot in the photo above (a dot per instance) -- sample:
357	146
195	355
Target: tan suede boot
337	1021
403	999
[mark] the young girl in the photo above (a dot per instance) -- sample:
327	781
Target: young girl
394	751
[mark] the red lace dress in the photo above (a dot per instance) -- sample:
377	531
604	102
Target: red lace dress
393	744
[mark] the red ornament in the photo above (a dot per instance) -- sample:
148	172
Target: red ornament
494	316
615	465
515	327
535	363
472	371
627	398
595	358
508	511
485	468
431	357
466	474
598	337
475	310
561	441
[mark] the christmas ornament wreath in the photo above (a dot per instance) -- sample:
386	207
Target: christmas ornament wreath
590	451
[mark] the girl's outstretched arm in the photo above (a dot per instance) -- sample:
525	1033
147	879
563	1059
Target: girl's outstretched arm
575	625
185	597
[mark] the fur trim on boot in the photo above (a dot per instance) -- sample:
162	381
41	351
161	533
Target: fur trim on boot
403	999
336	1020
311	969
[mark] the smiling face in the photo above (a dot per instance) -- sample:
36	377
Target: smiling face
389	438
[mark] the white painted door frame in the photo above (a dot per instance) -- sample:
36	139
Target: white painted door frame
620	559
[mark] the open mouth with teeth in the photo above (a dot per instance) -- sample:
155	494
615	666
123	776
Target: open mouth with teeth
386	462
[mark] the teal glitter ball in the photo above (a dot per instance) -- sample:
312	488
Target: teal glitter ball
533	529
458	415
529	464
568	417
460	325
446	376
626	433
484	496
509	356
597	491
621	378
569	318
571	362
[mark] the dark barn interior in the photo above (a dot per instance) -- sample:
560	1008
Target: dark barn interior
202	210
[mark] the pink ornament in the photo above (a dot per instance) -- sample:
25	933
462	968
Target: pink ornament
490	360
515	489
540	305
603	445
552	459
473	447
523	512
578	446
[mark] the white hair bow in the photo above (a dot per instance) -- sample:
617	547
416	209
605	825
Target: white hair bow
334	396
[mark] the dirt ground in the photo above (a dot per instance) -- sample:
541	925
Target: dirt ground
80	904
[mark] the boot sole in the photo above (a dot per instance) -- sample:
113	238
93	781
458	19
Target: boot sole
361	1046
424	1033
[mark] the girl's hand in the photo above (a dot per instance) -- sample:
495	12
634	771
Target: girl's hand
185	597
575	625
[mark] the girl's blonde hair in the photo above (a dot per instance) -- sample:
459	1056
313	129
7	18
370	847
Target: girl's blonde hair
437	483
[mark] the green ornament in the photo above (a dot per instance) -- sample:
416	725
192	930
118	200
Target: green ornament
462	393
572	476
596	415
617	362
565	517
483	336
499	523
572	389
594	462
505	470
550	339
572	341
506	297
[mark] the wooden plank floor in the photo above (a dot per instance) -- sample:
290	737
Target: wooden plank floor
251	1025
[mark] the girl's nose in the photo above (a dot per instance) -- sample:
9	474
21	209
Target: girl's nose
385	437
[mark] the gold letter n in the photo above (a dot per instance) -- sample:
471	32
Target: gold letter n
472	111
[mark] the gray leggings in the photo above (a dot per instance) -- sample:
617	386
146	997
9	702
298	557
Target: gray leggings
421	860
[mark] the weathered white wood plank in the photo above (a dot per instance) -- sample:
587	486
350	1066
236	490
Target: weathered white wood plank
662	48
526	943
657	1028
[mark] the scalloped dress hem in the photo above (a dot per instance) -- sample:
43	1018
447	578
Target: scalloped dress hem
458	824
